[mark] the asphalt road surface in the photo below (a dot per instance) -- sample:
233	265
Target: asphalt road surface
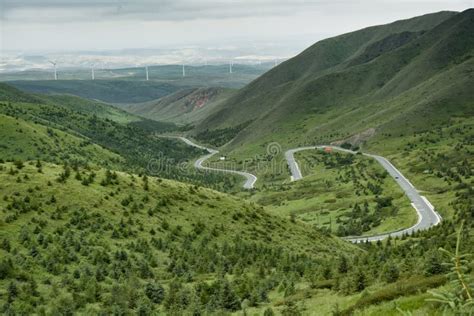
427	215
250	178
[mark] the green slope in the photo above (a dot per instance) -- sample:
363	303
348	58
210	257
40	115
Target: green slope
99	109
382	77
106	245
129	139
182	107
26	140
11	94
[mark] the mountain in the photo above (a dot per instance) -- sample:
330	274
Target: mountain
184	106
68	129
111	91
81	232
89	225
390	79
93	107
401	90
26	140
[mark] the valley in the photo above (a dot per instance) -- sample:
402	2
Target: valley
339	182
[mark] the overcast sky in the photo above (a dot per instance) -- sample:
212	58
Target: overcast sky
60	25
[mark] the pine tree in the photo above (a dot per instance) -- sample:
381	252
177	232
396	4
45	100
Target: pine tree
5	245
391	273
227	297
6	269
360	281
12	291
343	265
155	292
268	312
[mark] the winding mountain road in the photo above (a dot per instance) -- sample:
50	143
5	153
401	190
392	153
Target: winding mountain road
250	178
427	215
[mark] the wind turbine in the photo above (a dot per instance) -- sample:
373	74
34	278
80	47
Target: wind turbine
55	69
230	67
184	71
146	72
92	73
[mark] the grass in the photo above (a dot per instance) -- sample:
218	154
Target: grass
407	294
307	300
401	288
332	185
415	302
24	140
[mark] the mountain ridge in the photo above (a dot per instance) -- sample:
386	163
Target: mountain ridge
315	98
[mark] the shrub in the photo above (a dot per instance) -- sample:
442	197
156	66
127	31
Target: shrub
397	289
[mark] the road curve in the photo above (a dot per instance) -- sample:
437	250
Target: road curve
250	178
427	215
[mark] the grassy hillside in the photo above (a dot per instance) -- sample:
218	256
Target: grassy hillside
402	76
183	107
91	240
26	140
9	93
121	243
86	227
96	108
402	90
348	195
56	125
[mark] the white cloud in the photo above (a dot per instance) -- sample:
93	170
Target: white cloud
292	25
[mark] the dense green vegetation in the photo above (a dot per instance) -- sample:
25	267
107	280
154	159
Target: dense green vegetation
221	136
90	240
94	240
70	129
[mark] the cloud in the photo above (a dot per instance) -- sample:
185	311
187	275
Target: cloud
54	11
71	25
